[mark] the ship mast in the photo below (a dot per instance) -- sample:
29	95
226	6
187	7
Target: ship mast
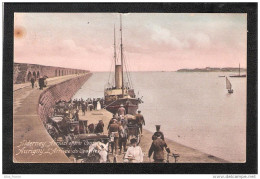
115	50
122	56
115	44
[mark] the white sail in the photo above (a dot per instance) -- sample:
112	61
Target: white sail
228	84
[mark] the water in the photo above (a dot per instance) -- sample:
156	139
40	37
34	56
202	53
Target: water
193	109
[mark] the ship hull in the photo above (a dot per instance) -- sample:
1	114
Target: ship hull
130	104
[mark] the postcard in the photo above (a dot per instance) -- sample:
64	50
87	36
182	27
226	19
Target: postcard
120	88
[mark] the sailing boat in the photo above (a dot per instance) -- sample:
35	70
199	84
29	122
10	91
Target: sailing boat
120	94
229	86
238	76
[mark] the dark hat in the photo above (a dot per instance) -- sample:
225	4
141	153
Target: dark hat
139	111
158	126
133	140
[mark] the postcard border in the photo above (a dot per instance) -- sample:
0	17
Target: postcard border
250	167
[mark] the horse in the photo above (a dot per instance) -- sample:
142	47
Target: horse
101	149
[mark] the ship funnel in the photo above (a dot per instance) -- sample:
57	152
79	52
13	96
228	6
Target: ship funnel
118	76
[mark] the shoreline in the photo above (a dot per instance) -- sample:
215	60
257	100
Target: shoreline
180	149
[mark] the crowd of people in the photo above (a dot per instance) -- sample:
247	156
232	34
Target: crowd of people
134	153
118	131
89	104
41	82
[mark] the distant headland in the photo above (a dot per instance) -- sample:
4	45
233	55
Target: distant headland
210	69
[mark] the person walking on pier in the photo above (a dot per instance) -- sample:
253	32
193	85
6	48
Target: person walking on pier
140	121
134	153
158	132
121	110
123	131
86	105
32	81
114	135
76	115
157	148
83	108
100	127
111	121
41	83
95	104
90	106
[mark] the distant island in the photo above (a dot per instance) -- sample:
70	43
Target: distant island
209	69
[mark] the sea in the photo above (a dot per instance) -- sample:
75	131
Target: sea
193	108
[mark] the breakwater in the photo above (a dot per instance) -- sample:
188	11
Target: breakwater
31	141
60	91
23	72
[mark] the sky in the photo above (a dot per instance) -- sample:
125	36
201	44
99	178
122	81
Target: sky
151	41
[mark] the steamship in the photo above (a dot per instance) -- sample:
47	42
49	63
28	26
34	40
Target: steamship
120	92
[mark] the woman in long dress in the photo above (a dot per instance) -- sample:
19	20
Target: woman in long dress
98	106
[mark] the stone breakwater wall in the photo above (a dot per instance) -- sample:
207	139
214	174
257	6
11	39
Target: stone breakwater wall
60	91
23	72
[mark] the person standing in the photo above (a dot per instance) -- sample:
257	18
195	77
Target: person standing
86	105
32	81
157	148
134	153
121	110
100	127
95	104
83	108
111	121
140	121
114	135
123	131
91	106
76	115
98	105
158	132
41	83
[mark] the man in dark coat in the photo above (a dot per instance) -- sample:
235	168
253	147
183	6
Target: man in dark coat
41	83
140	121
123	135
95	104
83	108
157	148
32	81
114	134
76	115
100	127
111	121
158	132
